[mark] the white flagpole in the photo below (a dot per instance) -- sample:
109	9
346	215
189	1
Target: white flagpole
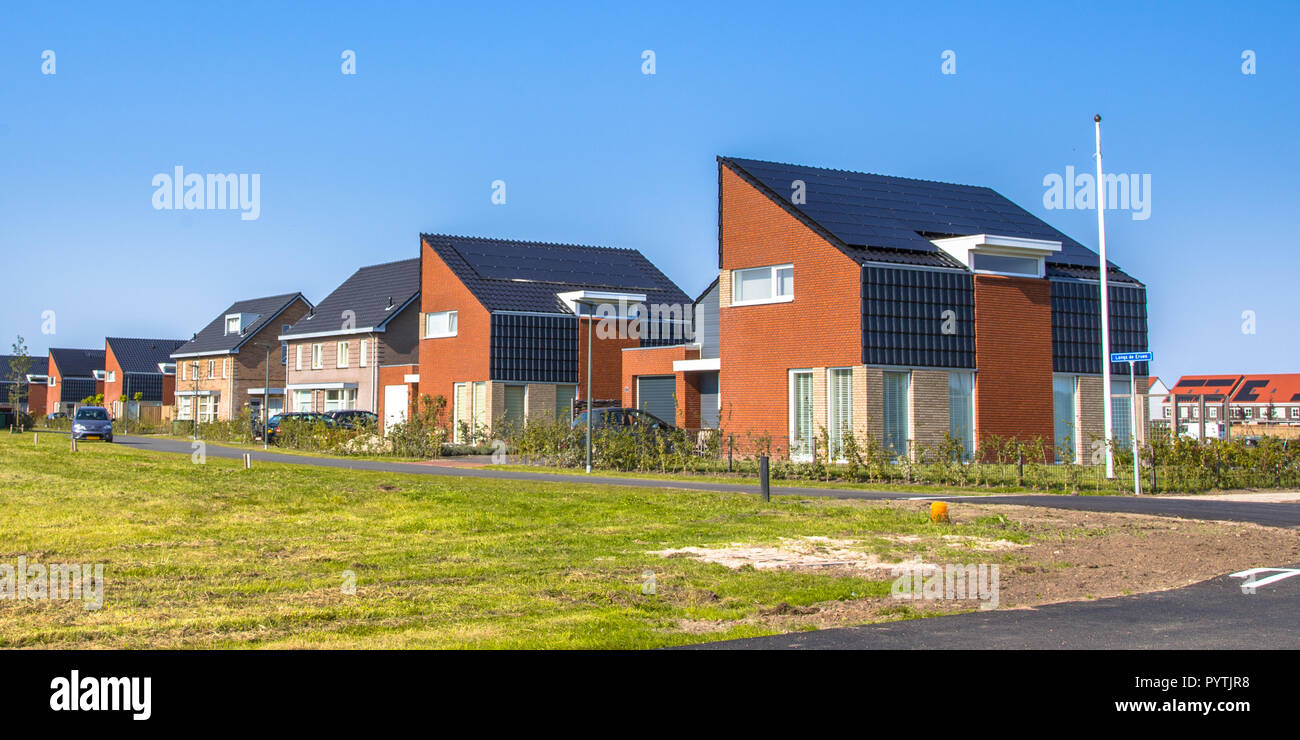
1105	306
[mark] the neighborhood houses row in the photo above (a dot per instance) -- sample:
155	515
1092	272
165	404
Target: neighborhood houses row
897	308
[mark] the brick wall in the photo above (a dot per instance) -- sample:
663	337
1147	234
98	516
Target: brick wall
930	409
1013	350
446	361
760	344
113	388
659	361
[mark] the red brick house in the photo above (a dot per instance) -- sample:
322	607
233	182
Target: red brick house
504	324
140	366
898	310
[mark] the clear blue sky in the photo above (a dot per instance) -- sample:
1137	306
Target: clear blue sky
553	102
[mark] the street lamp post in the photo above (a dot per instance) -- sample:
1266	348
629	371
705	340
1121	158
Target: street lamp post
1105	307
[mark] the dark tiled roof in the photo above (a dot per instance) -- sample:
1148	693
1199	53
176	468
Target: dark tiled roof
213	338
39	366
78	363
868	213
508	275
367	294
142	355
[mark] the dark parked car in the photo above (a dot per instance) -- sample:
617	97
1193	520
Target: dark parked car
302	417
92	422
352	419
56	416
623	417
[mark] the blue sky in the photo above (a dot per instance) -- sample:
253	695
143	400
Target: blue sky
447	99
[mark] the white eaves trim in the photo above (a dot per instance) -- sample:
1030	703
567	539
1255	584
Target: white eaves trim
335	333
705	364
574	297
963	247
327	386
266	391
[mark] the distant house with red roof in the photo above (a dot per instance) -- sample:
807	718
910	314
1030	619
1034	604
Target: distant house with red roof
1270	398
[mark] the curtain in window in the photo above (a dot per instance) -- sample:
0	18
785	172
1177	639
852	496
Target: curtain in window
961	410
839	395
895	412
801	414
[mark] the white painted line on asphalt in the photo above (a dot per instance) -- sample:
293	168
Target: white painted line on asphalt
1251	583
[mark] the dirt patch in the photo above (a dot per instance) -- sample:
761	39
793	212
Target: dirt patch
1070	556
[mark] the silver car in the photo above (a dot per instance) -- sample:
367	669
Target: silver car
92	422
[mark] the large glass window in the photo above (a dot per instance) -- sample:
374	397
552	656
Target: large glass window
1030	266
839	397
564	395
440	324
763	284
896	395
344	399
1121	412
961	410
801	414
1064	390
302	401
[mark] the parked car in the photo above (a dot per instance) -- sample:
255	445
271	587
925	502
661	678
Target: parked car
623	417
92	422
302	417
353	419
56	416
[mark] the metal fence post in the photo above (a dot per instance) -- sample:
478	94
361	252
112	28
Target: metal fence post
731	445
763	487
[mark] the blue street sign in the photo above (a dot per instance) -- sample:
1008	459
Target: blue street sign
1130	357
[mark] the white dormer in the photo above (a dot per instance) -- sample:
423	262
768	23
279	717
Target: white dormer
625	305
1000	255
236	323
167	368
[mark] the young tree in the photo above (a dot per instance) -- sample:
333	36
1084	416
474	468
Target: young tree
19	366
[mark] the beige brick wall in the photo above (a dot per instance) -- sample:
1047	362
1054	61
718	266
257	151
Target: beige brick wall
875	404
1091	415
929	409
861	415
540	401
724	288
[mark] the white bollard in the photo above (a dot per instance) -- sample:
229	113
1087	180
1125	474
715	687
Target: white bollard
248	460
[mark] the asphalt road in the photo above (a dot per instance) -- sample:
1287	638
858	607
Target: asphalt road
1214	614
1275	515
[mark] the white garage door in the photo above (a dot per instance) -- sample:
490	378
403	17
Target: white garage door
396	401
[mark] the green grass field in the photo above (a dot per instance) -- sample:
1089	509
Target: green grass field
214	556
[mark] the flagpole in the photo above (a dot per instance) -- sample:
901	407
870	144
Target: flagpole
1105	307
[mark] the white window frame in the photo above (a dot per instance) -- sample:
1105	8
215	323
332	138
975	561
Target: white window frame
774	270
450	324
235	318
297	360
790	410
317	356
1040	269
831	406
225	367
365	347
212	369
341	355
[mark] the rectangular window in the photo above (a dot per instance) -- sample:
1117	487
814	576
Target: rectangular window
365	349
297	357
183	408
461	412
1211	413
801	414
212	369
111	377
961	411
896	392
480	405
232	324
1064	390
183	371
302	401
225	367
763	284
341	356
440	324
839	399
1029	266
1121	413
514	412
317	356
564	395
344	399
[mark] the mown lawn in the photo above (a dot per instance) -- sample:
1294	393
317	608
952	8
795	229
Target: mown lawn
214	556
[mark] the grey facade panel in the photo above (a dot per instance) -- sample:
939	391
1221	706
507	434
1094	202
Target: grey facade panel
904	322
706	323
709	415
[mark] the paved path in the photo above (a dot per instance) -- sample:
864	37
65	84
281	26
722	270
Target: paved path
1214	614
1270	514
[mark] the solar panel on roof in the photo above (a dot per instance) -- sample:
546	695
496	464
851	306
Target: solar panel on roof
545	263
1192	382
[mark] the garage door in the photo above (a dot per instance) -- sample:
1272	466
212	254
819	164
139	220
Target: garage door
709	400
657	395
